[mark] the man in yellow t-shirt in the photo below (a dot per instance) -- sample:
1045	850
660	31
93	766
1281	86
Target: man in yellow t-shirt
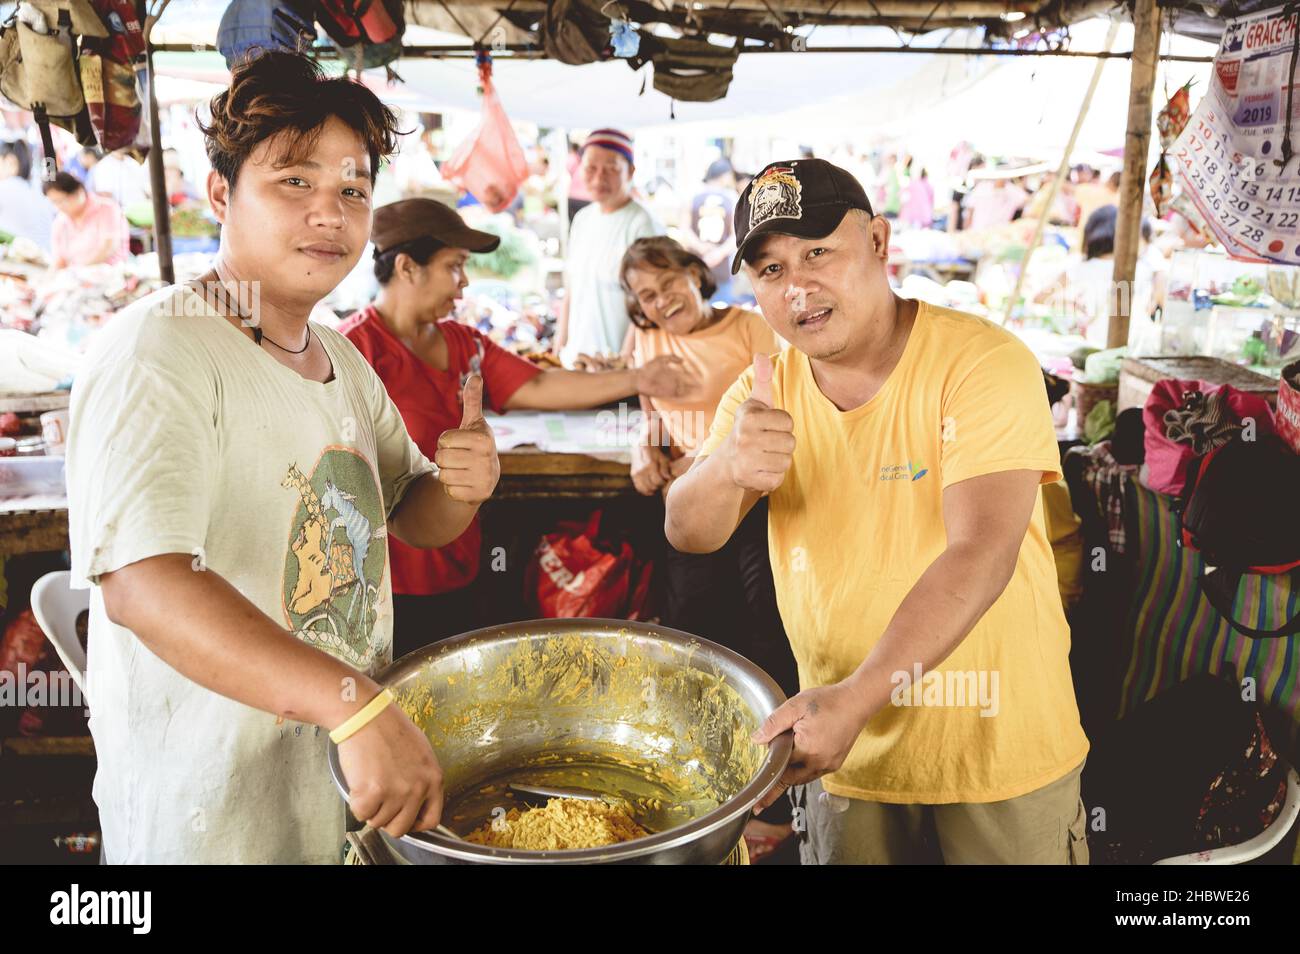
903	447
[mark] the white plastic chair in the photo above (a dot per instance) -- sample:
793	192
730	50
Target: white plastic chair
56	606
1255	847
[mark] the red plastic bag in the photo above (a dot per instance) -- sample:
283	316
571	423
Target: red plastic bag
573	573
1166	458
638	604
490	164
24	644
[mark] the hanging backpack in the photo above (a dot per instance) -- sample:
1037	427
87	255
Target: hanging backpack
689	69
1240	511
38	70
575	31
267	25
368	33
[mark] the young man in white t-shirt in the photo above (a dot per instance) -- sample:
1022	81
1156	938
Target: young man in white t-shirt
233	473
593	317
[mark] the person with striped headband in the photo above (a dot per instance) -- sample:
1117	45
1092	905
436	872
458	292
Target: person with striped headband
593	318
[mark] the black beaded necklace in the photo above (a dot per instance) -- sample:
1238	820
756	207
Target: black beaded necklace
258	335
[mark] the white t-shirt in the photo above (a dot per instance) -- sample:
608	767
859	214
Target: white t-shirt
121	178
187	438
1090	293
25	212
598	320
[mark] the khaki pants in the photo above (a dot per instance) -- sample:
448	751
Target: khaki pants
1047	826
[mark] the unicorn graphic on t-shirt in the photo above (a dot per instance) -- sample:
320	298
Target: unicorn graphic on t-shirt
355	526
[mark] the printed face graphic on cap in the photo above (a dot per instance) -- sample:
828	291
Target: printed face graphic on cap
775	195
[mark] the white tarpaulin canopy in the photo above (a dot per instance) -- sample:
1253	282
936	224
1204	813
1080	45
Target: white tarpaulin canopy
1004	105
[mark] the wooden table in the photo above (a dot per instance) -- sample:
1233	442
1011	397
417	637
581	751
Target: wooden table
526	474
33	531
530	474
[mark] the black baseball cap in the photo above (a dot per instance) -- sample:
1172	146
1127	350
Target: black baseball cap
803	197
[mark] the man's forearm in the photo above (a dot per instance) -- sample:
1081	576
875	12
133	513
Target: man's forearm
940	610
224	643
557	390
705	506
427	517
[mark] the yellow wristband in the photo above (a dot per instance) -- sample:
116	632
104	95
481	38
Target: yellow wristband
360	719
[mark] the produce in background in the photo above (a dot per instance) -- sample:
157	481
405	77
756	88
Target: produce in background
188	221
194	222
508	258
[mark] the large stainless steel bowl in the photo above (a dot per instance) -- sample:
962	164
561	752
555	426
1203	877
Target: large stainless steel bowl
575	695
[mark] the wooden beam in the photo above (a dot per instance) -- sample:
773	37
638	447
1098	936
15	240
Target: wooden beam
960	9
1128	228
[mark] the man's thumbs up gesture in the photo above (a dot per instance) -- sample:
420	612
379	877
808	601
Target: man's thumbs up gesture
467	457
762	437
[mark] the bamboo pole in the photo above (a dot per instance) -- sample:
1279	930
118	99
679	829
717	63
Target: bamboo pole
1128	227
1062	171
162	222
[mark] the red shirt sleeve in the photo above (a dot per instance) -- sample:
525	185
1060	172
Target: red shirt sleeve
503	373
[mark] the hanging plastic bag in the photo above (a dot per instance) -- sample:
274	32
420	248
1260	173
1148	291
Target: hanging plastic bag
112	99
490	164
574	574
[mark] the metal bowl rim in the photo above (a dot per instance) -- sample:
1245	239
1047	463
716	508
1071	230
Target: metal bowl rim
774	763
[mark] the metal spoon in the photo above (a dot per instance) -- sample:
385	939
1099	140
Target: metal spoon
534	793
444	830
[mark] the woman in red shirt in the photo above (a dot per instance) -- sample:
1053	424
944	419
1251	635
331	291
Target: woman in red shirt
423	358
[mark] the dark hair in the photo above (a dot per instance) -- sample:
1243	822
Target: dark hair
21	153
1099	232
64	182
420	251
277	91
660	251
718	167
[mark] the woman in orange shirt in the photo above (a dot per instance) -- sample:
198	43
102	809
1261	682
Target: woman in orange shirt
726	596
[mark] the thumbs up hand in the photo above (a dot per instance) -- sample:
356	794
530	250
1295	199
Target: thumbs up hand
467	456
760	446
